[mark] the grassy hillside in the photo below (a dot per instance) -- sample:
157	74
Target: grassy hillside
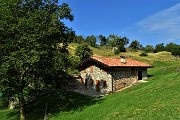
158	98
107	52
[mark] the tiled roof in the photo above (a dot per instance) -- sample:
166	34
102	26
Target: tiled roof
116	62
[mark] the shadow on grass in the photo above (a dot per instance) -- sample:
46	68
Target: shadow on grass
13	114
57	102
149	76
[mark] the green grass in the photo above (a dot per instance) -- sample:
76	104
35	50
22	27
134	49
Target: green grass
158	98
8	115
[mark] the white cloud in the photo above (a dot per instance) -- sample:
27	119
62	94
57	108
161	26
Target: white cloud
160	27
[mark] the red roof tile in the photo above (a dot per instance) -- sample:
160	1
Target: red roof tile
116	62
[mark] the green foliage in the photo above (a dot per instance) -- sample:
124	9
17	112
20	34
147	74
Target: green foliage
173	48
149	49
143	54
156	99
74	62
116	51
3	102
159	95
159	47
78	39
31	32
135	45
91	40
103	40
83	51
117	41
111	43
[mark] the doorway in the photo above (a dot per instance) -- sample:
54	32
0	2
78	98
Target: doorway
139	75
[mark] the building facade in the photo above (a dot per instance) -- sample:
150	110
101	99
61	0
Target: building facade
106	75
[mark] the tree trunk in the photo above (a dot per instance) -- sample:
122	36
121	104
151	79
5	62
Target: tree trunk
22	106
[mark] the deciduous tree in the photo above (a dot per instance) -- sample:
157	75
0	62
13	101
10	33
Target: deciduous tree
135	45
33	42
83	51
91	40
103	40
149	48
159	47
117	41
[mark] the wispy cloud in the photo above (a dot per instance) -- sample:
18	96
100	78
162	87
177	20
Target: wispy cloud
160	27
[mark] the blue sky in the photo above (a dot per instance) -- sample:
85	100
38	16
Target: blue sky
148	21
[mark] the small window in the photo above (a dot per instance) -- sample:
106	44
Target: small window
104	84
92	82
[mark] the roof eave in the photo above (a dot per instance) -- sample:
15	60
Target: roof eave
132	66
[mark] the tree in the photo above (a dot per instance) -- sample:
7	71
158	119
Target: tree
173	48
112	40
117	41
91	40
149	48
103	40
33	43
78	39
121	43
135	45
111	43
159	47
83	51
169	47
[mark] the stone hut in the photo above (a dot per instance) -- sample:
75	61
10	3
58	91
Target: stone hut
106	75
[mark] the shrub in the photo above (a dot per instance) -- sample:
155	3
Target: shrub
83	51
116	51
143	54
149	48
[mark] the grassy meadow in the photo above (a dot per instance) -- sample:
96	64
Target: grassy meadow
156	99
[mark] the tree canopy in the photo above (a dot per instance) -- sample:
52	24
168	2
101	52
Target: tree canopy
33	44
135	45
103	40
91	40
159	47
149	48
118	41
83	51
173	48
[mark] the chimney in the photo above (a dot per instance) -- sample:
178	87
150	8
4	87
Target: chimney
123	60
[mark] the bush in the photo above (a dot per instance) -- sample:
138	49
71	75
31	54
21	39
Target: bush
83	51
116	51
159	47
173	48
149	48
143	54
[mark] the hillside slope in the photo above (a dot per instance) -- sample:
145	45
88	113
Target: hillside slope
158	98
107	52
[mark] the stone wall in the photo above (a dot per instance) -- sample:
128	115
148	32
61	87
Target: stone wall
96	79
116	78
123	77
